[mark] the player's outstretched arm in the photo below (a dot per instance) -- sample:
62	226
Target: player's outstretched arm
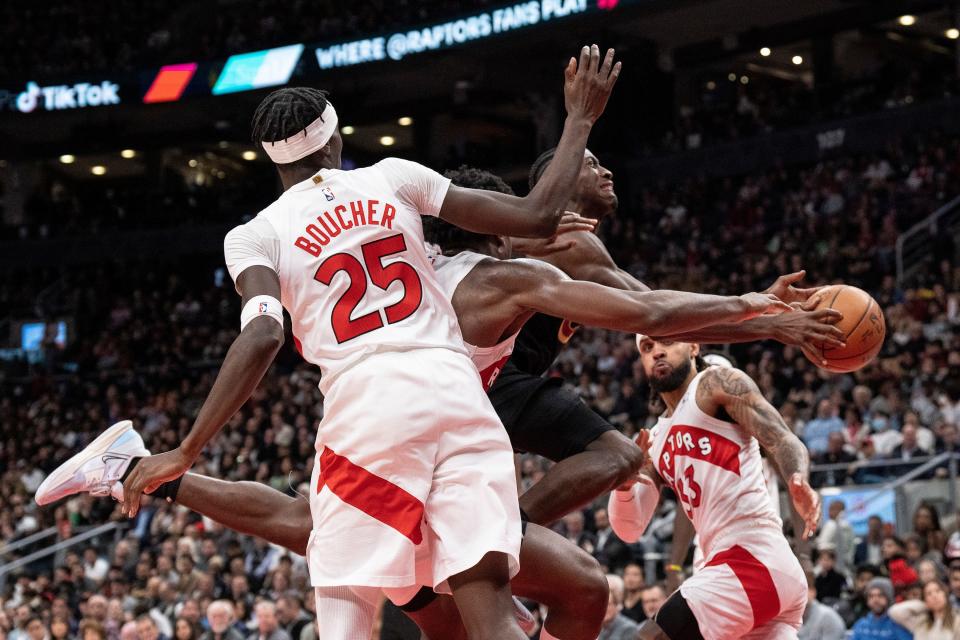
587	87
537	286
738	394
247	360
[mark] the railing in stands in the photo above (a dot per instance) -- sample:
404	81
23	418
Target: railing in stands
7	549
10	567
913	245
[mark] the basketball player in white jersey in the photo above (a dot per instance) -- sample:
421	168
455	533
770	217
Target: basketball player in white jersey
413	482
706	447
492	299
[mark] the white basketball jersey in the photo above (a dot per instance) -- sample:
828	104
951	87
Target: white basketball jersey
451	270
354	274
714	468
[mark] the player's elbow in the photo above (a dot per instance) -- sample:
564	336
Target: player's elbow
545	221
265	336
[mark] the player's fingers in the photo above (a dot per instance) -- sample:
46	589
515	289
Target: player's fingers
594	58
796	276
831	316
607	65
832	342
584	59
571	70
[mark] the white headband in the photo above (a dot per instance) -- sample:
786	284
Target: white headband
314	136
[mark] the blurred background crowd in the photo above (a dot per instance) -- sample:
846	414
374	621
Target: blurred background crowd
731	170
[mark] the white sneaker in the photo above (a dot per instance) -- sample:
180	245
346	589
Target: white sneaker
97	469
524	618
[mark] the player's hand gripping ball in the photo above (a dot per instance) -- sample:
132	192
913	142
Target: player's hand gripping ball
862	325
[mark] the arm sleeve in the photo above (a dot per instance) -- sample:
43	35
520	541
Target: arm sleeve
253	244
422	189
907	614
630	511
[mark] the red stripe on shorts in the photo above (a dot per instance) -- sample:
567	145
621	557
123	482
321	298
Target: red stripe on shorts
756	581
376	497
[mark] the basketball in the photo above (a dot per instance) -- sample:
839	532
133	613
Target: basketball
862	324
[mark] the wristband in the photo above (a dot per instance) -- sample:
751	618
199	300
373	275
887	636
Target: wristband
673	568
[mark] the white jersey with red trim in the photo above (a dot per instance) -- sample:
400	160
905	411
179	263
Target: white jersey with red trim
716	471
451	270
354	273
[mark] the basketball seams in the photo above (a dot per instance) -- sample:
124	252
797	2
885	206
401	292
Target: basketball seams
852	331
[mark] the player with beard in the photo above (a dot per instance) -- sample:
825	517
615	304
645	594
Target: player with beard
492	298
706	448
544	418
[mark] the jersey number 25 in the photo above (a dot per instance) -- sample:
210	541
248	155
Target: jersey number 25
346	328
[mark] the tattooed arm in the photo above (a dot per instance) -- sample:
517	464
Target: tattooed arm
733	391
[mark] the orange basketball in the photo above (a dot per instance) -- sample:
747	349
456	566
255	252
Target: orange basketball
862	324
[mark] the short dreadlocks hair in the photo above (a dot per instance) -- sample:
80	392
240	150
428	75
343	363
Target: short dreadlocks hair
539	166
286	112
453	239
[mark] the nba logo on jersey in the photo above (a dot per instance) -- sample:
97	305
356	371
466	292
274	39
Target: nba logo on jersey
263	307
327	193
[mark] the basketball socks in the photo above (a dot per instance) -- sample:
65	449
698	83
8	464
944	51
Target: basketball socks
167	491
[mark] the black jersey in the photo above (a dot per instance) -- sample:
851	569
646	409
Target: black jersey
540	342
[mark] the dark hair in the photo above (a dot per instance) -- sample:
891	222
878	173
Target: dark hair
453	239
934	515
286	112
539	166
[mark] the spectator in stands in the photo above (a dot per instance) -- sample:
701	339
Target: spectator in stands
869	549
877	624
926	524
820	622
92	630
268	627
95	567
884	437
829	583
907	450
837	536
855	604
291	615
836	454
36	630
652	598
954	584
615	625
183	629
611	551
817	431
220	617
147	628
931	618
574	530
633	586
60	629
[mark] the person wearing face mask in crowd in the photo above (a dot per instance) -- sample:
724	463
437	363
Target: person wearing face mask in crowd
885	438
932	618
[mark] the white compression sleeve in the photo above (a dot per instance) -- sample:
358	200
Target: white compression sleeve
346	613
631	511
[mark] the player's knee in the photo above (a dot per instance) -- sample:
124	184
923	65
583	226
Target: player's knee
591	588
